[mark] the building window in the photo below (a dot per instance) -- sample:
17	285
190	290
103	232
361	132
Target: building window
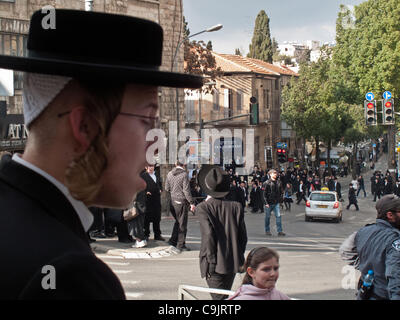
215	100
239	100
257	148
14	45
276	84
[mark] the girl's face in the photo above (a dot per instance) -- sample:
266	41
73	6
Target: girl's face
266	274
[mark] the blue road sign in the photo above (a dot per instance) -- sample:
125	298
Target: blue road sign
387	95
369	96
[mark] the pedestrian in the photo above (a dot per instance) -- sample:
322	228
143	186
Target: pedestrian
396	188
262	273
253	197
376	188
152	213
114	219
243	192
136	224
223	231
287	197
88	105
387	186
301	192
361	185
352	197
376	247
273	195
177	184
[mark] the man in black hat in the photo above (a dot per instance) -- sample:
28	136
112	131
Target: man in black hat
376	247
223	231
88	105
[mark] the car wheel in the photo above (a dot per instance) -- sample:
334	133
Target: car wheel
307	219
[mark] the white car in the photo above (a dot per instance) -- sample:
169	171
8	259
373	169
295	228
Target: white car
323	205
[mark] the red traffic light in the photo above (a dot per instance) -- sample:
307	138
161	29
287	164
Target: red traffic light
370	105
388	104
279	150
283	150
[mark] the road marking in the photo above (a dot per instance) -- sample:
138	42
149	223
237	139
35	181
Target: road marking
133	294
118	263
122	271
126	282
106	256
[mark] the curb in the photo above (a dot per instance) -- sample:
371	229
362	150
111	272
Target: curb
135	253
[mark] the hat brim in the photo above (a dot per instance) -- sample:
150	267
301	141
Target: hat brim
205	169
126	74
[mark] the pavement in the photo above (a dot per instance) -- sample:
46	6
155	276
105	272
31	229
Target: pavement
154	249
161	249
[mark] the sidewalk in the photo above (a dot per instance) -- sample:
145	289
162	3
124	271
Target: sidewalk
154	249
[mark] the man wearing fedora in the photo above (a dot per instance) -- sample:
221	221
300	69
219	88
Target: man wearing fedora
223	231
88	106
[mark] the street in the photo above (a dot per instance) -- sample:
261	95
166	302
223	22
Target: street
310	265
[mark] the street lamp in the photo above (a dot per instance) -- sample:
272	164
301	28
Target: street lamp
211	29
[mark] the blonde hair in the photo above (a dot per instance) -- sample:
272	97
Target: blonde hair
83	175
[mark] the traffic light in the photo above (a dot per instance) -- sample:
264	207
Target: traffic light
254	119
370	112
282	156
388	111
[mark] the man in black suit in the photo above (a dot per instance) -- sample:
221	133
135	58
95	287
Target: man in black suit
223	231
88	109
153	203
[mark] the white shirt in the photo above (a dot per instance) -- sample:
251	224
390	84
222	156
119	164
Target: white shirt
153	176
85	216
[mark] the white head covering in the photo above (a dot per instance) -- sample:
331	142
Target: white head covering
38	91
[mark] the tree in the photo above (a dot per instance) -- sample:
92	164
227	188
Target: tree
309	105
198	58
237	52
261	44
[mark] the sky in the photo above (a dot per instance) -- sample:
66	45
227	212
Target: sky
290	20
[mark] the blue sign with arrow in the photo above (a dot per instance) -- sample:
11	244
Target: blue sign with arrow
369	96
387	95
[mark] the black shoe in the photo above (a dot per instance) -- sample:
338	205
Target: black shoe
281	234
184	248
91	240
98	234
127	240
159	238
171	243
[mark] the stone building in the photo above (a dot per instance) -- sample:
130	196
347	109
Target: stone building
14	27
242	79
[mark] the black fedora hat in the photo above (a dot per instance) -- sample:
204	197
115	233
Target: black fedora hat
97	45
213	181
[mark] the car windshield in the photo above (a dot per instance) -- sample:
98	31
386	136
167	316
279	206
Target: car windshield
322	197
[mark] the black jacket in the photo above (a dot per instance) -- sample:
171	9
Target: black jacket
223	236
273	192
38	228
153	201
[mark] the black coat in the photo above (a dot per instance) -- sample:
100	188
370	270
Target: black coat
153	201
223	236
38	228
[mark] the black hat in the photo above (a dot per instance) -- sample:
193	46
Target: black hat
97	45
214	181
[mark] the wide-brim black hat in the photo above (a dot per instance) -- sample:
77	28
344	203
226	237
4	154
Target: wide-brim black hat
213	181
95	45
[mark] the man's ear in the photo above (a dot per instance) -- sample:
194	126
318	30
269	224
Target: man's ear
83	127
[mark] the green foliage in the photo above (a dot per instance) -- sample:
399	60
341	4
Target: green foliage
237	52
261	46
